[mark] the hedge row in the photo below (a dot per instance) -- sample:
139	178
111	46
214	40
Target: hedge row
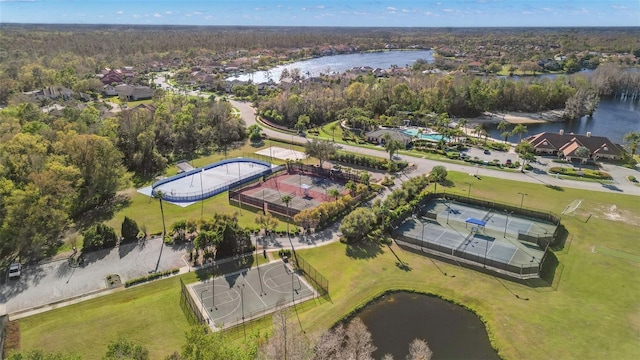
370	162
585	173
151	277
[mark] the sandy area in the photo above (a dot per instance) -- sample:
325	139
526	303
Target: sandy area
518	117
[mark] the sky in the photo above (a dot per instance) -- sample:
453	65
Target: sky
367	13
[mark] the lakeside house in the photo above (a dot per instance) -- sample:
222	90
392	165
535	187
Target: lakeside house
565	145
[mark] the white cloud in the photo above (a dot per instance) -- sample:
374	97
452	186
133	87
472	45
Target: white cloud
119	12
320	7
136	16
198	13
168	12
391	8
157	15
526	12
619	7
405	10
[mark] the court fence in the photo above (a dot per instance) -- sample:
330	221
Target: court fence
200	195
520	271
495	207
319	282
544	240
338	176
189	306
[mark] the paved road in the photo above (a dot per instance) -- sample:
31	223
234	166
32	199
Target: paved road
56	281
537	175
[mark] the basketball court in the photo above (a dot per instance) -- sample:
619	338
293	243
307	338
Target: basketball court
231	299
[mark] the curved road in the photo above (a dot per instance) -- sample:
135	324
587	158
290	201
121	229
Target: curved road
538	175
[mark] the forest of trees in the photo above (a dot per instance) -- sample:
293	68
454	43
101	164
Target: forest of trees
56	170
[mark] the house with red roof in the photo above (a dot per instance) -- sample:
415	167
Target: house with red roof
565	146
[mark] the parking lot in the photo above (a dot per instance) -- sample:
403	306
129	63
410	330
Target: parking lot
57	281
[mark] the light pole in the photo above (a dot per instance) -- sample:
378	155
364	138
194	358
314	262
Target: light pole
506	223
293	294
448	209
422	240
242	306
213	286
258	266
468	191
202	301
522	198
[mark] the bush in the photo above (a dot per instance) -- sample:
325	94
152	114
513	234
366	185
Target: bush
632	179
284	252
151	277
129	230
99	236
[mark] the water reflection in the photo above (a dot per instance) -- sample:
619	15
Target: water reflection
451	331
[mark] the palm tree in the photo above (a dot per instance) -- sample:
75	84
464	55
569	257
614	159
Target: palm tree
505	135
391	145
478	130
519	130
286	200
333	127
334	193
503	126
160	195
633	138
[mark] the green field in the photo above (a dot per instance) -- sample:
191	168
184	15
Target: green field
591	312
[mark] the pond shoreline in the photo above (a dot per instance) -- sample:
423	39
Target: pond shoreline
513	117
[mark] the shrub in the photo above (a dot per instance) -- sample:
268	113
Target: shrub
284	252
99	236
632	179
129	230
151	277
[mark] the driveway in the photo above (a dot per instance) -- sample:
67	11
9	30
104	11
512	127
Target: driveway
57	281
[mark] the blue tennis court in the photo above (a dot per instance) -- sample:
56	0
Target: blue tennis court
500	240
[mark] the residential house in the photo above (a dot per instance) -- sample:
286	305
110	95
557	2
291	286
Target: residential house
379	136
109	90
134	93
111	77
565	145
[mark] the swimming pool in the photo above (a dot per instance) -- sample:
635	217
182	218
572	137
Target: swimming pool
429	137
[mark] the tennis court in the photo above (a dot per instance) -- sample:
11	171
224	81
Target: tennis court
481	236
229	300
306	191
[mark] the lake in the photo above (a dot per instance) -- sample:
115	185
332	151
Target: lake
340	63
612	119
451	331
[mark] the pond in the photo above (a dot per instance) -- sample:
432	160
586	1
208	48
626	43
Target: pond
452	331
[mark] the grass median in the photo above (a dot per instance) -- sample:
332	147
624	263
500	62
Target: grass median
590	312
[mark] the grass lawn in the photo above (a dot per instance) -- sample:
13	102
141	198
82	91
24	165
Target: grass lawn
592	311
149	314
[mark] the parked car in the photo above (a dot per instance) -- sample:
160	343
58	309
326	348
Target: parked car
15	270
508	162
487	152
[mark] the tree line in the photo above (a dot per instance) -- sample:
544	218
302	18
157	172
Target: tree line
58	171
368	100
